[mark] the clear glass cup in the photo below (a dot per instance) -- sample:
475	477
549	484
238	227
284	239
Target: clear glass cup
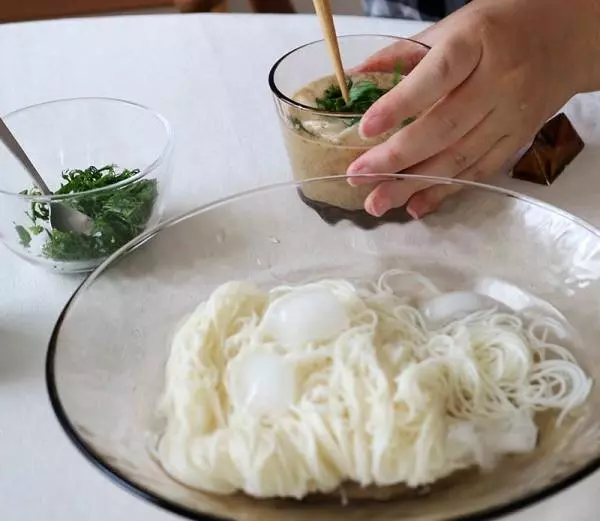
321	143
106	359
76	134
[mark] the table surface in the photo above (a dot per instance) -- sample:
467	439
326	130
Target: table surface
171	63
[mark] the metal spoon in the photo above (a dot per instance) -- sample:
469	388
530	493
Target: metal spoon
62	217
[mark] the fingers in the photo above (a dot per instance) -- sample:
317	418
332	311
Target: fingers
369	179
453	160
428	35
409	52
436	130
434	33
405	53
466	151
441	70
391	194
422	197
429	200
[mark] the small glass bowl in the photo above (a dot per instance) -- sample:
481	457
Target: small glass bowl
77	133
106	360
321	143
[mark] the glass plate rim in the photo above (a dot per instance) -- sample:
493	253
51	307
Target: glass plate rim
160	159
121	480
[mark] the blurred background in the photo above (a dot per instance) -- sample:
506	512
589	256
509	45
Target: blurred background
14	11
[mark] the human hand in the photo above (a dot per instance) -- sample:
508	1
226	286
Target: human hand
496	71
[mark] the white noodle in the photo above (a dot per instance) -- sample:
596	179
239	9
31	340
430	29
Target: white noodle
386	401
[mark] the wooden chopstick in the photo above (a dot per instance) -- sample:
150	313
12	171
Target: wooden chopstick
323	10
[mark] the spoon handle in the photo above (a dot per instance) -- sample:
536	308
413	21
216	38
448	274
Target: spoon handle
13	146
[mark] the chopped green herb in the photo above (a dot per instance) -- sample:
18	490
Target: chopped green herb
24	236
36	230
118	215
398	74
298	126
361	95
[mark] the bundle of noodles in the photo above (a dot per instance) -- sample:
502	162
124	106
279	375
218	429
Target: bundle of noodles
300	389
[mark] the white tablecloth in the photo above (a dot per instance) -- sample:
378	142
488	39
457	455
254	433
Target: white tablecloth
207	74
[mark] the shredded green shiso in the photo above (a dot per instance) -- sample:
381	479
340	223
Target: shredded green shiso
118	215
361	95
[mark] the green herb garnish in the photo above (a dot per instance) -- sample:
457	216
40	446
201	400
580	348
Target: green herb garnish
298	126
361	95
118	215
398	74
24	235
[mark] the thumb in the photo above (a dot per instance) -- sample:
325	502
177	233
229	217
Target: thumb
405	53
431	35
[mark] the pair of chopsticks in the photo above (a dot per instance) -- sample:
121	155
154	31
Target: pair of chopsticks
323	10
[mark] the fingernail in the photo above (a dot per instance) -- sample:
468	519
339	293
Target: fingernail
413	213
357	169
380	206
418	211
